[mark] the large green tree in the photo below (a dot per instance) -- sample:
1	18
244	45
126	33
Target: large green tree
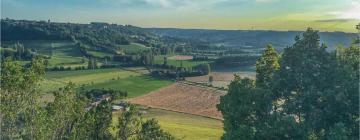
314	95
266	65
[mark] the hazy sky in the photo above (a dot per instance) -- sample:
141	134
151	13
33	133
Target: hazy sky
324	15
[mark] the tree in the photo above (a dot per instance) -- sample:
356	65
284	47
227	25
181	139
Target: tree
129	124
90	64
165	61
312	95
266	65
150	130
132	126
19	97
245	109
211	79
64	113
96	122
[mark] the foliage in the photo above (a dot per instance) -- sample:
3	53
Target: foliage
241	60
97	93
19	97
266	66
313	94
132	126
69	116
150	130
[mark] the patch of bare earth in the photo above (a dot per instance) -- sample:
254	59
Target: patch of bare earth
181	97
181	57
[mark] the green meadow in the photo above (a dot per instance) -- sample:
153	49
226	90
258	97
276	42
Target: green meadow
133	82
134	85
183	126
60	52
132	48
56	79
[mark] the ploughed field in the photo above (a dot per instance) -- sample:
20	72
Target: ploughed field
182	97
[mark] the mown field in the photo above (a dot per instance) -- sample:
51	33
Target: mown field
61	52
159	59
135	83
184	126
132	48
100	54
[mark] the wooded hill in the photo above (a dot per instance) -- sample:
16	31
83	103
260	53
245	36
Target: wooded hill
96	35
251	38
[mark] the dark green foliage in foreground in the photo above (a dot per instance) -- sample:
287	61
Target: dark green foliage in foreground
97	122
313	94
132	126
68	117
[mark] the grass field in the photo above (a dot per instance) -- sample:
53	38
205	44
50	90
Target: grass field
177	63
132	48
100	54
54	80
61	52
184	126
134	85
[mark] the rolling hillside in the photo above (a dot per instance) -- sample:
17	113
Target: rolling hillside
251	38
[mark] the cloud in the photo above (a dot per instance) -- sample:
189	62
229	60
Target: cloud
353	12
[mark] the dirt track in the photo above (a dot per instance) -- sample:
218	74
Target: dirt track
185	98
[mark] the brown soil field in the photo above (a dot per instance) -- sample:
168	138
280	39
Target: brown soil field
181	97
181	57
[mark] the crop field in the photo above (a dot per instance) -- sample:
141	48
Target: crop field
173	61
181	97
134	85
184	126
132	48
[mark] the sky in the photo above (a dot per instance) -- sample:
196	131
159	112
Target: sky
323	15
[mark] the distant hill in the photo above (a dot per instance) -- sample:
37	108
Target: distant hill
96	36
251	38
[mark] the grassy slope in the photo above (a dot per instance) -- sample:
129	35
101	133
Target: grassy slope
134	85
184	126
54	80
132	48
185	63
61	52
100	54
65	53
